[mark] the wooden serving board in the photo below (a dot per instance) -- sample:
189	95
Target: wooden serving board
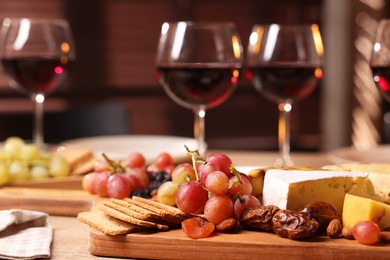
243	244
67	183
59	202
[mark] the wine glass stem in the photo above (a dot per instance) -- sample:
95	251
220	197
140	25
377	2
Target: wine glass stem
284	134
199	129
38	120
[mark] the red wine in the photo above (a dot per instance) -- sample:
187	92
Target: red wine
35	75
193	86
381	76
279	82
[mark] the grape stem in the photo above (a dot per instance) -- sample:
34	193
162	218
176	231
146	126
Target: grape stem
238	180
196	158
115	167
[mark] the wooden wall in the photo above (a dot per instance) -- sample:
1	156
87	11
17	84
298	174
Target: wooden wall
116	42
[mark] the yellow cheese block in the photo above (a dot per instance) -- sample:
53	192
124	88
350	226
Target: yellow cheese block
358	209
378	174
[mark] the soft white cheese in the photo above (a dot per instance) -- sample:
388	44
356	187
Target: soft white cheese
293	189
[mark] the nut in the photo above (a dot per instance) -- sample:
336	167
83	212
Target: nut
334	228
385	236
347	233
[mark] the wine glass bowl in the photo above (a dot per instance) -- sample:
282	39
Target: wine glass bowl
284	63
380	59
36	55
198	65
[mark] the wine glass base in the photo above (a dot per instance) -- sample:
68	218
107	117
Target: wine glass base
284	162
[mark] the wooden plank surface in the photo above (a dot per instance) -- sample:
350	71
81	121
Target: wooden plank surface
58	202
243	244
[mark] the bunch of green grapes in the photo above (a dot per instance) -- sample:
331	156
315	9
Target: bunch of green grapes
21	161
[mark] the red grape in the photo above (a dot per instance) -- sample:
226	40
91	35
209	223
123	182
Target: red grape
101	184
101	166
236	188
118	186
205	169
222	160
366	232
218	208
88	182
217	183
163	160
244	202
138	178
183	173
191	197
135	160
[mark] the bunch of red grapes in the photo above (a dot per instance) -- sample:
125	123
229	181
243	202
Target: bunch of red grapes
211	186
120	179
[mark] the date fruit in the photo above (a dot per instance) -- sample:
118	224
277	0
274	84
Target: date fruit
294	225
322	212
258	217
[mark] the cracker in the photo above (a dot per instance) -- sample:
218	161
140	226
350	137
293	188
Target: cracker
147	214
83	167
168	212
106	224
122	216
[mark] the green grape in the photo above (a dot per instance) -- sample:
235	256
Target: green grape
166	194
39	172
59	167
12	146
4	176
29	152
18	171
3	156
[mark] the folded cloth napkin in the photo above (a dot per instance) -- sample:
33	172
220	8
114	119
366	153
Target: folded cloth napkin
24	234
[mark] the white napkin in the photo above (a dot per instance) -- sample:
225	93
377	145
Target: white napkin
24	234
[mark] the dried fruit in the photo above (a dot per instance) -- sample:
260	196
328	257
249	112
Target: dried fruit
385	236
197	227
334	228
294	225
258	217
322	212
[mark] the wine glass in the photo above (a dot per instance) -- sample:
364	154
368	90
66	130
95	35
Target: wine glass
284	63
380	59
36	55
198	65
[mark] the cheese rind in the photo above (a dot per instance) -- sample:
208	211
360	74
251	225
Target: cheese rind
358	209
294	189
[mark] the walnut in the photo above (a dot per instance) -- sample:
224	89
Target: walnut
258	217
334	228
322	212
294	225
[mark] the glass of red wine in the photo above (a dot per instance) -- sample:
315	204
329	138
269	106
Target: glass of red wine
380	59
284	63
199	65
36	55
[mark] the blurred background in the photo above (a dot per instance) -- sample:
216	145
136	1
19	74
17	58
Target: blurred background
113	83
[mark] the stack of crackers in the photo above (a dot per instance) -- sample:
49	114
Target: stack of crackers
119	217
80	159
